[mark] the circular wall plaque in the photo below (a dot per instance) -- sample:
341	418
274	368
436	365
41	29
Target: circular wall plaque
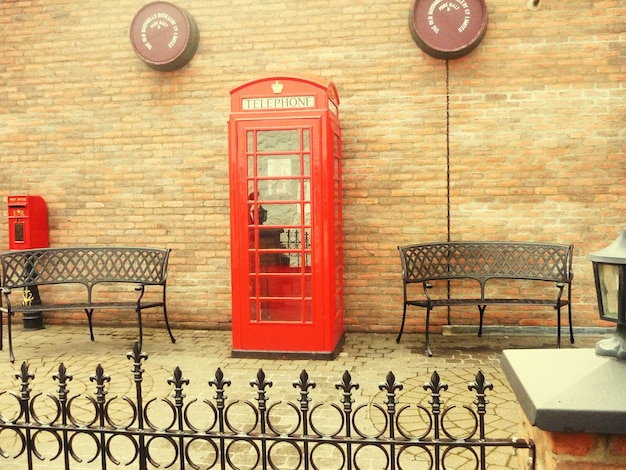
448	29
164	36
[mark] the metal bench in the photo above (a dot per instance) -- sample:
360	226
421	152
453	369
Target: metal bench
89	266
428	263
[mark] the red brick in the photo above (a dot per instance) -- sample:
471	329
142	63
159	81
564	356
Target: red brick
578	444
617	445
574	465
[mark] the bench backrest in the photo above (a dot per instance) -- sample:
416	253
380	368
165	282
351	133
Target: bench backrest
87	265
486	260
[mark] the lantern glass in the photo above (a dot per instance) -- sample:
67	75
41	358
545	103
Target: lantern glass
609	290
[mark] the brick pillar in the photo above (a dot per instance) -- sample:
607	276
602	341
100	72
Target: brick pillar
573	451
573	407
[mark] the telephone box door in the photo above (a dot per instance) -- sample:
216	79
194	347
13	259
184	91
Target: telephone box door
284	218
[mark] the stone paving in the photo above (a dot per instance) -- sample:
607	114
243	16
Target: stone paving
367	356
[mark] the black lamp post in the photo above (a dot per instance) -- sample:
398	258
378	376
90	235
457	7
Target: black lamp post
609	270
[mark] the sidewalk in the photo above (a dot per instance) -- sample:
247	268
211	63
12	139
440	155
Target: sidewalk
368	357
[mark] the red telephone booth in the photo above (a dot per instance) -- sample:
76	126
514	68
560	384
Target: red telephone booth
285	206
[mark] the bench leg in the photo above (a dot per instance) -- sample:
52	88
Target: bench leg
402	325
428	350
167	323
9	330
140	323
481	314
89	312
571	327
558	327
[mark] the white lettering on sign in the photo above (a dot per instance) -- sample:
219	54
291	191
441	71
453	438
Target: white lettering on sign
445	6
158	21
278	102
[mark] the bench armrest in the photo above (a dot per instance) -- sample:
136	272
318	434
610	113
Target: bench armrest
427	285
6	291
141	288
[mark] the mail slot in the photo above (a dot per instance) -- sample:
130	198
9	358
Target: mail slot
28	222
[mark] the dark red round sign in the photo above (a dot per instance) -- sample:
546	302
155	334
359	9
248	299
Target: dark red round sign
164	36
448	29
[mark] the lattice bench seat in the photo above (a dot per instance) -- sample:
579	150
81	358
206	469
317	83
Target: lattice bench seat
86	266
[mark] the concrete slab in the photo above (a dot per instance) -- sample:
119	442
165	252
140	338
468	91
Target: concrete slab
569	390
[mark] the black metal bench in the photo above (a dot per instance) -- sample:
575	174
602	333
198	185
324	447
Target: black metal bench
89	266
428	263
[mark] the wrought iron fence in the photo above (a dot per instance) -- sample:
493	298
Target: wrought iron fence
251	434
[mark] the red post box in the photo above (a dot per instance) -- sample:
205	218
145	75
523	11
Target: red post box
28	228
286	229
28	222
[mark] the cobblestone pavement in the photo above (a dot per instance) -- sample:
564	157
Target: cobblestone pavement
367	356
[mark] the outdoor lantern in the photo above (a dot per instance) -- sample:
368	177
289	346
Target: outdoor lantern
609	270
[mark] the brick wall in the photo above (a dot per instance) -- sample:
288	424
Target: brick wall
530	136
